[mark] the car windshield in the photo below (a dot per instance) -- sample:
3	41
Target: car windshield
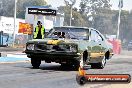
69	33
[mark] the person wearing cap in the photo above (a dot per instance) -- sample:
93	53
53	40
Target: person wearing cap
61	34
39	31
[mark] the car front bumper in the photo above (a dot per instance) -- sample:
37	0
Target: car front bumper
52	55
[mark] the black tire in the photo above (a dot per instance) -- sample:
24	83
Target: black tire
101	65
73	65
76	64
81	80
65	65
35	62
94	65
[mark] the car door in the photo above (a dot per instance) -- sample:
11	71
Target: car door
96	44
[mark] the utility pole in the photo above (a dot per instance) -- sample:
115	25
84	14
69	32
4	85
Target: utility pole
14	24
119	17
70	5
71	14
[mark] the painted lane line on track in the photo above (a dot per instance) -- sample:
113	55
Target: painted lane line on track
17	55
15	62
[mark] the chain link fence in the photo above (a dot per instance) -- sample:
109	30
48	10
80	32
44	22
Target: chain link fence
20	40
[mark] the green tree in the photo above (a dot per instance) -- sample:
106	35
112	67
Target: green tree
128	31
7	8
124	25
78	19
22	4
94	9
94	6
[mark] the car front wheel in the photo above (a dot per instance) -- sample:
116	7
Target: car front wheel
35	62
76	64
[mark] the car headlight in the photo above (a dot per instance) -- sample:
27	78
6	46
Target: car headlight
73	48
68	48
30	47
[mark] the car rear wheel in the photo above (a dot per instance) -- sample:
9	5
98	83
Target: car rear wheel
99	65
93	65
102	63
35	62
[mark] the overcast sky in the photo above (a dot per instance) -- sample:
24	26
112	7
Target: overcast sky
127	3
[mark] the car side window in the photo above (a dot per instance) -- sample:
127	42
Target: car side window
95	36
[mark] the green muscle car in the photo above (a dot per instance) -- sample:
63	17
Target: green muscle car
68	45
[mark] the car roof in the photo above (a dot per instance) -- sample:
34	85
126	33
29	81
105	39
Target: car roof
73	27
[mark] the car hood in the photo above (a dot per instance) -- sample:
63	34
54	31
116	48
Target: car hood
81	43
54	41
